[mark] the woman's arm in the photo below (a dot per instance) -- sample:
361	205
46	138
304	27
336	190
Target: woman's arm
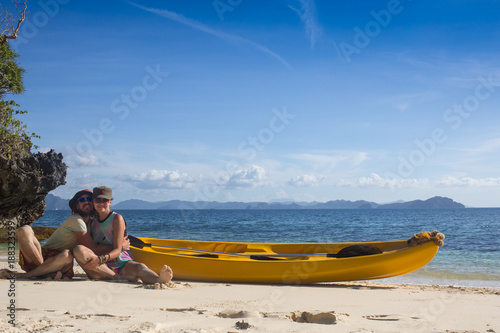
118	243
118	232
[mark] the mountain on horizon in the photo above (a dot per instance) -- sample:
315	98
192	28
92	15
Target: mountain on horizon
432	203
56	203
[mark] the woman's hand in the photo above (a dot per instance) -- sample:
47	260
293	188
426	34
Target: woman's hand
126	244
91	263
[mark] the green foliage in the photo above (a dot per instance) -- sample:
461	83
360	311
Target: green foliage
11	75
15	139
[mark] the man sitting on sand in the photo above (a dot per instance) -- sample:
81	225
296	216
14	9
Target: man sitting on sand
108	228
55	258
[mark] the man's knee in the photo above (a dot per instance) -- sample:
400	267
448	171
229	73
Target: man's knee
66	255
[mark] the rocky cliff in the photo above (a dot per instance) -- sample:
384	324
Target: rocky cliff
24	183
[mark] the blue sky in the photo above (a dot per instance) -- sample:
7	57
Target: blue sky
268	100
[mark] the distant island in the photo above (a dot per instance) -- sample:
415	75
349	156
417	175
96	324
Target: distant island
56	203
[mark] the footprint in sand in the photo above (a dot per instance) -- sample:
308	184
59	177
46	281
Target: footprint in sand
239	314
383	317
183	310
87	316
325	318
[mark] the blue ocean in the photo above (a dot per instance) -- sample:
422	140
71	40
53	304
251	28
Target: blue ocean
470	255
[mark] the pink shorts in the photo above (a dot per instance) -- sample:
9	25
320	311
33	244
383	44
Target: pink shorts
117	264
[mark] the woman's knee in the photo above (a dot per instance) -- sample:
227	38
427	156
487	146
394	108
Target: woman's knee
78	251
143	267
134	267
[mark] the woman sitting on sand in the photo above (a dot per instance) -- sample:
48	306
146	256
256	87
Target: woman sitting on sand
108	228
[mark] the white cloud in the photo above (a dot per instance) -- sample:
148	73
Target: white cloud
305	180
307	14
282	194
44	149
75	184
159	179
376	181
358	157
450	181
84	181
219	34
252	177
84	161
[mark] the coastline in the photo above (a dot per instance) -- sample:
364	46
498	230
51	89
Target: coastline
367	306
422	277
468	257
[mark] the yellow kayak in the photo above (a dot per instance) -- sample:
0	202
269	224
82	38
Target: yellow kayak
285	263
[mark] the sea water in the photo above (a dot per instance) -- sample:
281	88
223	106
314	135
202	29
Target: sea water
470	255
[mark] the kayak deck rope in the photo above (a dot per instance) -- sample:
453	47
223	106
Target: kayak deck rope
426	236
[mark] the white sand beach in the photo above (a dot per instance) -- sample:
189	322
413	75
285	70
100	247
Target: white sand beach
81	305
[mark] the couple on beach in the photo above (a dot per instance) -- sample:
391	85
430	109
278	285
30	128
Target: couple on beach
94	236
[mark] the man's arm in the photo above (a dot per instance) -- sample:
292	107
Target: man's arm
83	238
